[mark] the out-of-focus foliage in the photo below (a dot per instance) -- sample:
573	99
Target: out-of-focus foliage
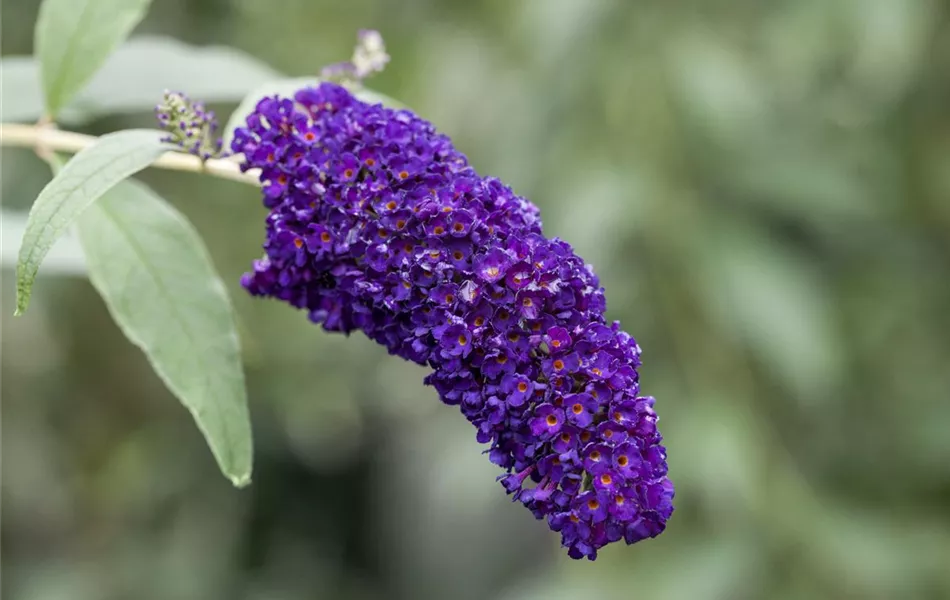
764	188
137	73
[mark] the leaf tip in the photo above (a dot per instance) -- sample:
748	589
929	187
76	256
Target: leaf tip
22	301
240	481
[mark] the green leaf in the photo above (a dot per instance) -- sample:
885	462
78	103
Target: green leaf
134	78
286	88
89	175
73	39
64	258
153	271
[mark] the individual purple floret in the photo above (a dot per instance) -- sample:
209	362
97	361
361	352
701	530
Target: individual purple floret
377	223
189	125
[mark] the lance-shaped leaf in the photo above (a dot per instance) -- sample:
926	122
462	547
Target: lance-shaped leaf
155	275
64	258
89	175
73	39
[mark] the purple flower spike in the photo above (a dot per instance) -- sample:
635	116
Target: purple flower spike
377	223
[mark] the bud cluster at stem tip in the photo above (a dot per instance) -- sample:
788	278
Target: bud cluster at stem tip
369	57
189	125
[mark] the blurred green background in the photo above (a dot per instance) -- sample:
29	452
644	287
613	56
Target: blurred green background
764	188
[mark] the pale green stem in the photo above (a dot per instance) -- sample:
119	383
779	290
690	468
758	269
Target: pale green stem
43	138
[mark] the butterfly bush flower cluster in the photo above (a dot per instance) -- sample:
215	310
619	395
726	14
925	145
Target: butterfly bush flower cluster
377	223
189	125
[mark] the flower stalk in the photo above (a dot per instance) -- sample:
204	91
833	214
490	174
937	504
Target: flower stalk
49	139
